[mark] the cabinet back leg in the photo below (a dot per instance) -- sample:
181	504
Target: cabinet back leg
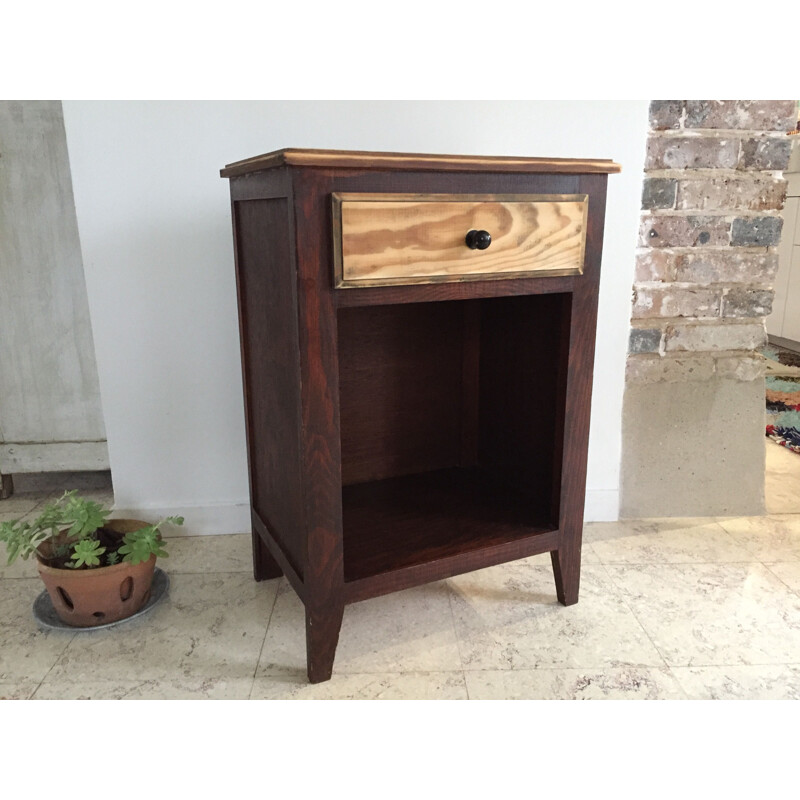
265	566
567	572
322	636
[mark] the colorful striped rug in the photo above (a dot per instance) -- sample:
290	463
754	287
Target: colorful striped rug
783	396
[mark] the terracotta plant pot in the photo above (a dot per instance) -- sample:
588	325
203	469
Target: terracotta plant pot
83	598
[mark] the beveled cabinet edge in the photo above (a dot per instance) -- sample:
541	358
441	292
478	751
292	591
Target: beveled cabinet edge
364	159
337	198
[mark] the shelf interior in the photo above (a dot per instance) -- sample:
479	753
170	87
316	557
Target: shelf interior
451	419
415	519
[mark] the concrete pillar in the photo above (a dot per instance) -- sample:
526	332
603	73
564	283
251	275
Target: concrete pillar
693	414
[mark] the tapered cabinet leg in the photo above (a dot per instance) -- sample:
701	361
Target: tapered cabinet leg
567	572
322	636
265	566
6	486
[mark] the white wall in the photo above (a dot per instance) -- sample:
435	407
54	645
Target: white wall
155	231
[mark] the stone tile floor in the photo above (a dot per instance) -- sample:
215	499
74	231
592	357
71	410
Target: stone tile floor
669	609
782	480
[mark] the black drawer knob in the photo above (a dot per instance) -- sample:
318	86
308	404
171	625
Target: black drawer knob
478	240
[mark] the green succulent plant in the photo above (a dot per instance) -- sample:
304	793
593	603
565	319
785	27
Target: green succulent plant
87	552
71	532
140	545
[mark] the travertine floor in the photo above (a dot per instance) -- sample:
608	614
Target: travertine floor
670	609
782	480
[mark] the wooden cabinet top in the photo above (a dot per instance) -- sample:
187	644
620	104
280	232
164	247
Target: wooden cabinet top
356	159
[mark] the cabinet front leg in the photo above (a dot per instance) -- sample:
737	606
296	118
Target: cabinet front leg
265	566
322	636
567	572
6	486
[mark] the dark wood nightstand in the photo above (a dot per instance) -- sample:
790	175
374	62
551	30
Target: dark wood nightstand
417	340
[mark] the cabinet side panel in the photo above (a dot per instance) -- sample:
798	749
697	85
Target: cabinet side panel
271	362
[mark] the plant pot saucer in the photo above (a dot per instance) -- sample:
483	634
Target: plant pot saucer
46	616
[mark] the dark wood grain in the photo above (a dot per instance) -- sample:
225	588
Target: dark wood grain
276	183
323	623
577	404
448	565
440	292
320	443
400	522
520	370
470	381
404	434
400	373
271	372
265	567
276	554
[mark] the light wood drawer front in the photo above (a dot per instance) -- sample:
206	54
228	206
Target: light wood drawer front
386	239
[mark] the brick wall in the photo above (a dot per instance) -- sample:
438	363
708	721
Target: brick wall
710	226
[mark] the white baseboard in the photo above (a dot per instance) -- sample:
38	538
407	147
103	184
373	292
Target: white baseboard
198	520
602	505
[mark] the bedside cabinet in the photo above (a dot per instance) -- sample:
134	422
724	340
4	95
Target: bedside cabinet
417	341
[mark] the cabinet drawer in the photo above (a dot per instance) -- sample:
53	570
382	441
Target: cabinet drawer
390	239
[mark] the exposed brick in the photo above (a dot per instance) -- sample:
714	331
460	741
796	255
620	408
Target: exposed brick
654	265
644	340
756	231
675	301
665	114
698	337
715	266
762	115
678	231
740	367
766	152
692	152
708	235
659	192
654	369
747	302
731	193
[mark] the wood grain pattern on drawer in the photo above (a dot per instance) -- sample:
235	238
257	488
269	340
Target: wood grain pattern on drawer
391	239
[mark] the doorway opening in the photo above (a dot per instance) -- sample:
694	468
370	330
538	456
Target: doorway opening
782	477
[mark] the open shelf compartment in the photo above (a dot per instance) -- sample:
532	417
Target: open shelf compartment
451	418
